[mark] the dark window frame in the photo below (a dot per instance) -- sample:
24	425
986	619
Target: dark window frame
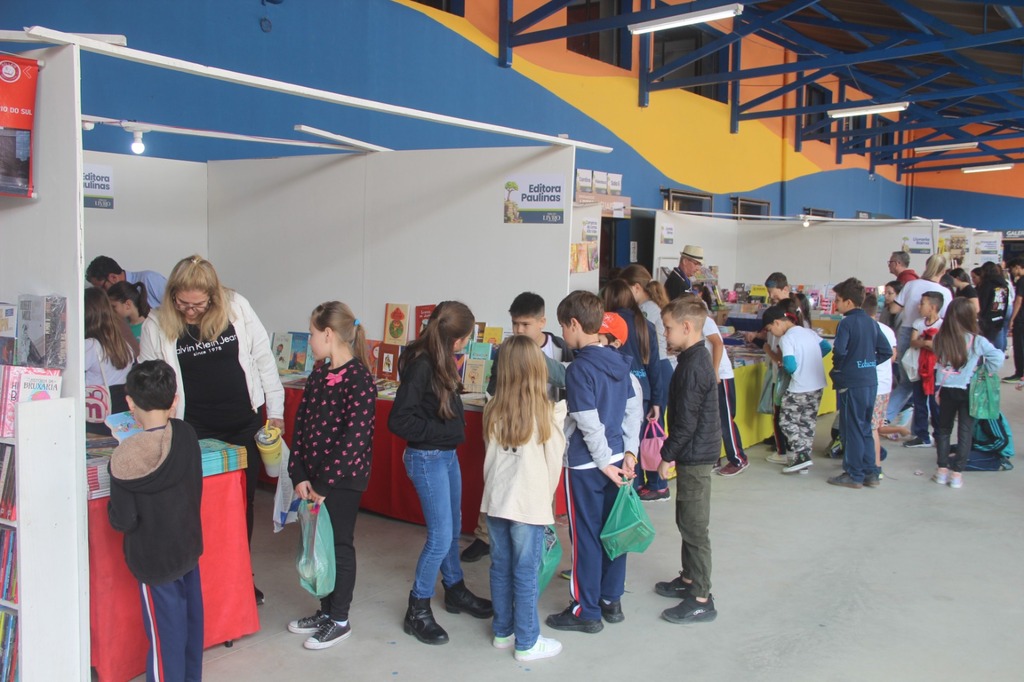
764	208
816	96
819	212
456	7
613	46
670	196
708	65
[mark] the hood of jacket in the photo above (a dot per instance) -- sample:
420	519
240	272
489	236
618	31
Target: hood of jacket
141	464
605	360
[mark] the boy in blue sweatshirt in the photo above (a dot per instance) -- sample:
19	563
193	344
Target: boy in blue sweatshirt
859	347
602	430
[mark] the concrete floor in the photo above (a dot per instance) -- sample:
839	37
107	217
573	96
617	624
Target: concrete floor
910	581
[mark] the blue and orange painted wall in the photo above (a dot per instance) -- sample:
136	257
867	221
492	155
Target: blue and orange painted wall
401	52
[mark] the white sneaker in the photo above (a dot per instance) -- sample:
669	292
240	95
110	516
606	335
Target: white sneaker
941	476
956	480
776	458
504	642
545	647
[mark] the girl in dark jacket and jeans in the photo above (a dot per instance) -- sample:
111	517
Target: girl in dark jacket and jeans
428	414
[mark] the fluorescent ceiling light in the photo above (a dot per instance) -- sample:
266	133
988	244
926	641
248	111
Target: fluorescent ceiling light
986	169
945	147
872	109
701	17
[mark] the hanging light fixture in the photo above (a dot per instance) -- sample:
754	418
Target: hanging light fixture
688	19
138	146
872	109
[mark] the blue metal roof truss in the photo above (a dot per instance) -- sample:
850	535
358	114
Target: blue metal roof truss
911	54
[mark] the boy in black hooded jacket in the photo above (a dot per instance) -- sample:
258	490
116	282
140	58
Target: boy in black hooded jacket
156	487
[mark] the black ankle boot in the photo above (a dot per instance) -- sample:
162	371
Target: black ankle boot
419	622
458	598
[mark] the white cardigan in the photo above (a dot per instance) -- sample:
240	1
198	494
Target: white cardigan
254	355
519	483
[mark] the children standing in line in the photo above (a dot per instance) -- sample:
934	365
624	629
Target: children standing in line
859	347
650	296
959	347
525	444
641	348
332	448
924	330
528	319
802	351
694	442
884	372
156	490
603	432
130	302
428	415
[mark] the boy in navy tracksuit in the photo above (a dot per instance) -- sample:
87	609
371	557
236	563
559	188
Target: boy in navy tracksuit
156	487
859	347
603	434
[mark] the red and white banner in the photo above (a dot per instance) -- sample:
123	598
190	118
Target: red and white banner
18	78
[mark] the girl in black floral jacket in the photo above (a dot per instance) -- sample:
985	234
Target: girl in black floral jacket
331	452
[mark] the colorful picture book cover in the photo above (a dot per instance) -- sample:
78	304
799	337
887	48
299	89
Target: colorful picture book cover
300	351
282	349
423	313
475	380
38	383
396	324
493	335
123	425
389	354
479	351
373	350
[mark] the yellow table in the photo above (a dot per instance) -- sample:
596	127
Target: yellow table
755	427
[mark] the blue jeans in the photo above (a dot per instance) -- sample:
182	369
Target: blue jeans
902	391
438	481
515	563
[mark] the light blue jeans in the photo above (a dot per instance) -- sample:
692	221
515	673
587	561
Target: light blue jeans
516	550
438	481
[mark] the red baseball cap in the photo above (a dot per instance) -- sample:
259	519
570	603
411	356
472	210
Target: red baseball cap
613	324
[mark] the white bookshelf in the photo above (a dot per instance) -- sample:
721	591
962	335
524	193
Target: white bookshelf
41	253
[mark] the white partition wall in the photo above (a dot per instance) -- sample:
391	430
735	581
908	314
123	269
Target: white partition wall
412	227
41	253
829	251
717	236
158	216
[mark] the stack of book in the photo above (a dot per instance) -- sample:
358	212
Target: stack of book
218	457
22	384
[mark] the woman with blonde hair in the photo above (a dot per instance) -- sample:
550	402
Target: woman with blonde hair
221	357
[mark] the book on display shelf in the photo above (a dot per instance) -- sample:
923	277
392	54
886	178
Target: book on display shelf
396	324
423	313
42	331
23	384
282	349
8	508
388	367
480	351
8	333
373	353
8	646
297	359
494	335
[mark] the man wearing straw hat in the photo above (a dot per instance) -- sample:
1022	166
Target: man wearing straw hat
679	280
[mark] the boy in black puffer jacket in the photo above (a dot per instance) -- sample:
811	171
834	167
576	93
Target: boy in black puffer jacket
694	443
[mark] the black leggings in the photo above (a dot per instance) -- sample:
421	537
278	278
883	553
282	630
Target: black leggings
343	506
954	403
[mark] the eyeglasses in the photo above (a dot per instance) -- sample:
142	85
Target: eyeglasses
185	307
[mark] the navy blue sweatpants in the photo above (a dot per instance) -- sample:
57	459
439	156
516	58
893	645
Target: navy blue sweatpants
856	406
727	413
173	616
589	495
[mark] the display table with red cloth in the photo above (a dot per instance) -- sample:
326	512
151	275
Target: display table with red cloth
390	492
119	642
